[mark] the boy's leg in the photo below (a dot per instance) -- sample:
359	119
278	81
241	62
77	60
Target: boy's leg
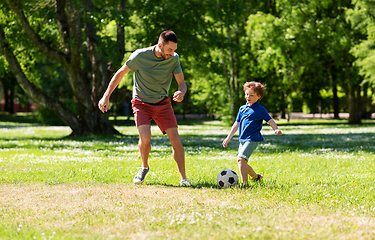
243	167
178	150
244	152
251	172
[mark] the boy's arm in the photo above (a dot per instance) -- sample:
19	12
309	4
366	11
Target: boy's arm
116	79
178	96
231	133
274	127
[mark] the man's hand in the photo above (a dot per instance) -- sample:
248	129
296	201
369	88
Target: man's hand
178	96
103	104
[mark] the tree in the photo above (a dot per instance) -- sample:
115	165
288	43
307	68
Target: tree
362	18
189	21
9	85
227	48
60	29
307	44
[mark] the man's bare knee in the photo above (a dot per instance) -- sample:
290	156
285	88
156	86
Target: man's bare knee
173	136
144	134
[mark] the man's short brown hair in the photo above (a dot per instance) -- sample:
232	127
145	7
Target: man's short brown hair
167	36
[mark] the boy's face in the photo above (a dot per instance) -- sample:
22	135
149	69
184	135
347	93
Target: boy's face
251	96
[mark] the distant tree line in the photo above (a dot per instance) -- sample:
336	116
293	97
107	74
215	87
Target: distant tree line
313	56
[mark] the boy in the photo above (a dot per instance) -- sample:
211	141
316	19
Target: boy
249	120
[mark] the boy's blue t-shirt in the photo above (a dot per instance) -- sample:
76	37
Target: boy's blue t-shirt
251	120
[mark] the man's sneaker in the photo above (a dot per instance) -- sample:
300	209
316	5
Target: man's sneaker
185	183
140	177
258	178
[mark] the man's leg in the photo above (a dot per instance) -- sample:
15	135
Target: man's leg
144	149
144	143
178	150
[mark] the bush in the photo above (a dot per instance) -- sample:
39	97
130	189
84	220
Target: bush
49	118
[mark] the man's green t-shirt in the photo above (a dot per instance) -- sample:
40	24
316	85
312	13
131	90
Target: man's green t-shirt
152	76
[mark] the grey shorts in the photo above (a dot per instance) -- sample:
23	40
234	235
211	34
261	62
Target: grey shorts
246	149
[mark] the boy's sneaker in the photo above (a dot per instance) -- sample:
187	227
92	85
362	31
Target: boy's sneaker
258	178
185	183
140	177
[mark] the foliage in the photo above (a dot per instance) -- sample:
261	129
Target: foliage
11	90
47	117
362	18
298	49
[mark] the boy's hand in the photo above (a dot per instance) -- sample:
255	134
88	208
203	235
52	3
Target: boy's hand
278	132
225	142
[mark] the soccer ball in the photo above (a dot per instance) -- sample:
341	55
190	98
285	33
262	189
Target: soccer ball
227	178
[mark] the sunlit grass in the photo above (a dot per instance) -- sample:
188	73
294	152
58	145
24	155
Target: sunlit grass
318	184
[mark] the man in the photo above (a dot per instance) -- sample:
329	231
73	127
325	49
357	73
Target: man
153	68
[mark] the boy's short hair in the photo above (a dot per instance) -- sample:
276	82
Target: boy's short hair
257	87
167	36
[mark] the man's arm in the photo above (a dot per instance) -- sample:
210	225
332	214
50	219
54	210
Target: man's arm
115	81
178	96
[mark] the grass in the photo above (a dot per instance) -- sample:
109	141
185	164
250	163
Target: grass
318	184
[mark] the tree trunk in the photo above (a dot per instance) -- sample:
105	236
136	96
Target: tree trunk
8	89
365	100
354	103
90	119
232	77
226	77
121	33
336	108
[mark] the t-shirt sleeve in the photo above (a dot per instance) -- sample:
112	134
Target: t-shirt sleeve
264	114
238	119
178	68
132	61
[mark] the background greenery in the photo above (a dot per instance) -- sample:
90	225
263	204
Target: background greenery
313	56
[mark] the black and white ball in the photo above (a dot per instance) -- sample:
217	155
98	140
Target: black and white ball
227	178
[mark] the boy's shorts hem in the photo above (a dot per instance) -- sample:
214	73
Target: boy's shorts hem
246	149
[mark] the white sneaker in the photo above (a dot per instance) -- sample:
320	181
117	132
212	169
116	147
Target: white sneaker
185	183
140	177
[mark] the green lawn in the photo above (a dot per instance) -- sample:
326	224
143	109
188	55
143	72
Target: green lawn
318	184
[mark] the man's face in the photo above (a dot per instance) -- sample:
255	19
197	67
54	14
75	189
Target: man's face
167	50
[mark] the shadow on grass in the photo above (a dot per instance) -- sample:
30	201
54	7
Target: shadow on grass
326	123
351	142
264	184
19	118
193	185
187	122
199	144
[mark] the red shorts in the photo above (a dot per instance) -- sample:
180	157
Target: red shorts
162	113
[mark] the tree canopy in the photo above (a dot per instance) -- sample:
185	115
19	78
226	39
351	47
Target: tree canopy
313	56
